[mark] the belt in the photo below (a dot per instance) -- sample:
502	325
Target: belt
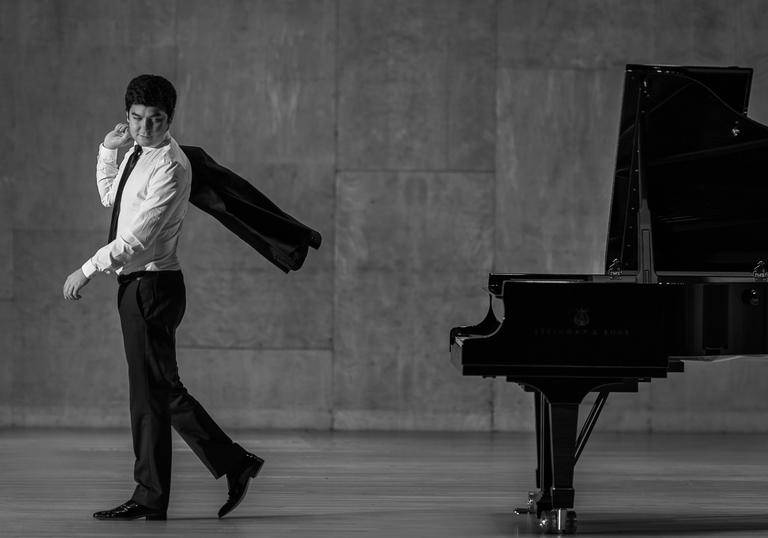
138	275
130	277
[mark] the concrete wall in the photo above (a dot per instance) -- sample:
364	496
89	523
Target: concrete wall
431	141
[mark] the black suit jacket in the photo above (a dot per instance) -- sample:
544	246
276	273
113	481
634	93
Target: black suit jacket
244	210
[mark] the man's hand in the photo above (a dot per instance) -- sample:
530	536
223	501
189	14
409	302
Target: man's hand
118	137
74	283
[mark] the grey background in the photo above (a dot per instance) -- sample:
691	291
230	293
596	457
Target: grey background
430	141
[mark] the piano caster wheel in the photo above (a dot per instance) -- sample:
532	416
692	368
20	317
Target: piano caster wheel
558	521
531	508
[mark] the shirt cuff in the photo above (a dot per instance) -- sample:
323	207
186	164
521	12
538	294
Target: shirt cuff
107	154
89	269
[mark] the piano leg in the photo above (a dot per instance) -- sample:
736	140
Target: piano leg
537	397
562	427
536	501
544	449
557	416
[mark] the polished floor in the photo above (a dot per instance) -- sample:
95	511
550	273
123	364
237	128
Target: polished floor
393	485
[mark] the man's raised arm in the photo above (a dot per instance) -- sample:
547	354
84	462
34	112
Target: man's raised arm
106	166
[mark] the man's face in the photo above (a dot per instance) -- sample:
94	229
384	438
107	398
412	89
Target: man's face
148	125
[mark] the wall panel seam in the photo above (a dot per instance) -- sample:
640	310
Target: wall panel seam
336	91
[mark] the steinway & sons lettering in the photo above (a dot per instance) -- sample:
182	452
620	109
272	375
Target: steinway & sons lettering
553	331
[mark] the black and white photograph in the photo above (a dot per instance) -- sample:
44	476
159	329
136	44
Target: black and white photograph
383	268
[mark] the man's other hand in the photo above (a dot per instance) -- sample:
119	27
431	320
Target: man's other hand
74	284
118	137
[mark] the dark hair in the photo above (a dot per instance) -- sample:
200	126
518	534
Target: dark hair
151	90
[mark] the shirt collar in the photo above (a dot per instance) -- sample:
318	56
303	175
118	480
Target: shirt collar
145	151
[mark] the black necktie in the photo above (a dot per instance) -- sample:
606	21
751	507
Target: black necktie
116	205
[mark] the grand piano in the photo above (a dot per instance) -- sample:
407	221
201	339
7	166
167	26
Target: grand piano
685	275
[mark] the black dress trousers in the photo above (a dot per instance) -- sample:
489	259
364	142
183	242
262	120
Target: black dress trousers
151	306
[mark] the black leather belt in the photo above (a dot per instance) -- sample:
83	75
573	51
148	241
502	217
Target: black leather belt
130	277
137	275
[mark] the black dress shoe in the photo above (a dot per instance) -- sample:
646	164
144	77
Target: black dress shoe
238	482
131	510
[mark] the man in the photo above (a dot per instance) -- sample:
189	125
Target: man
149	204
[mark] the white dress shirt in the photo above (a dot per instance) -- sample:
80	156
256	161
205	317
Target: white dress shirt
152	209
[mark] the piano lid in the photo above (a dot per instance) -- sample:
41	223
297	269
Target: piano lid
688	153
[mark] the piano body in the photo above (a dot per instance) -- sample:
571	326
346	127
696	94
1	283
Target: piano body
685	277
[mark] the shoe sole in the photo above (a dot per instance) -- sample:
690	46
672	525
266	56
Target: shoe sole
150	517
254	471
159	517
